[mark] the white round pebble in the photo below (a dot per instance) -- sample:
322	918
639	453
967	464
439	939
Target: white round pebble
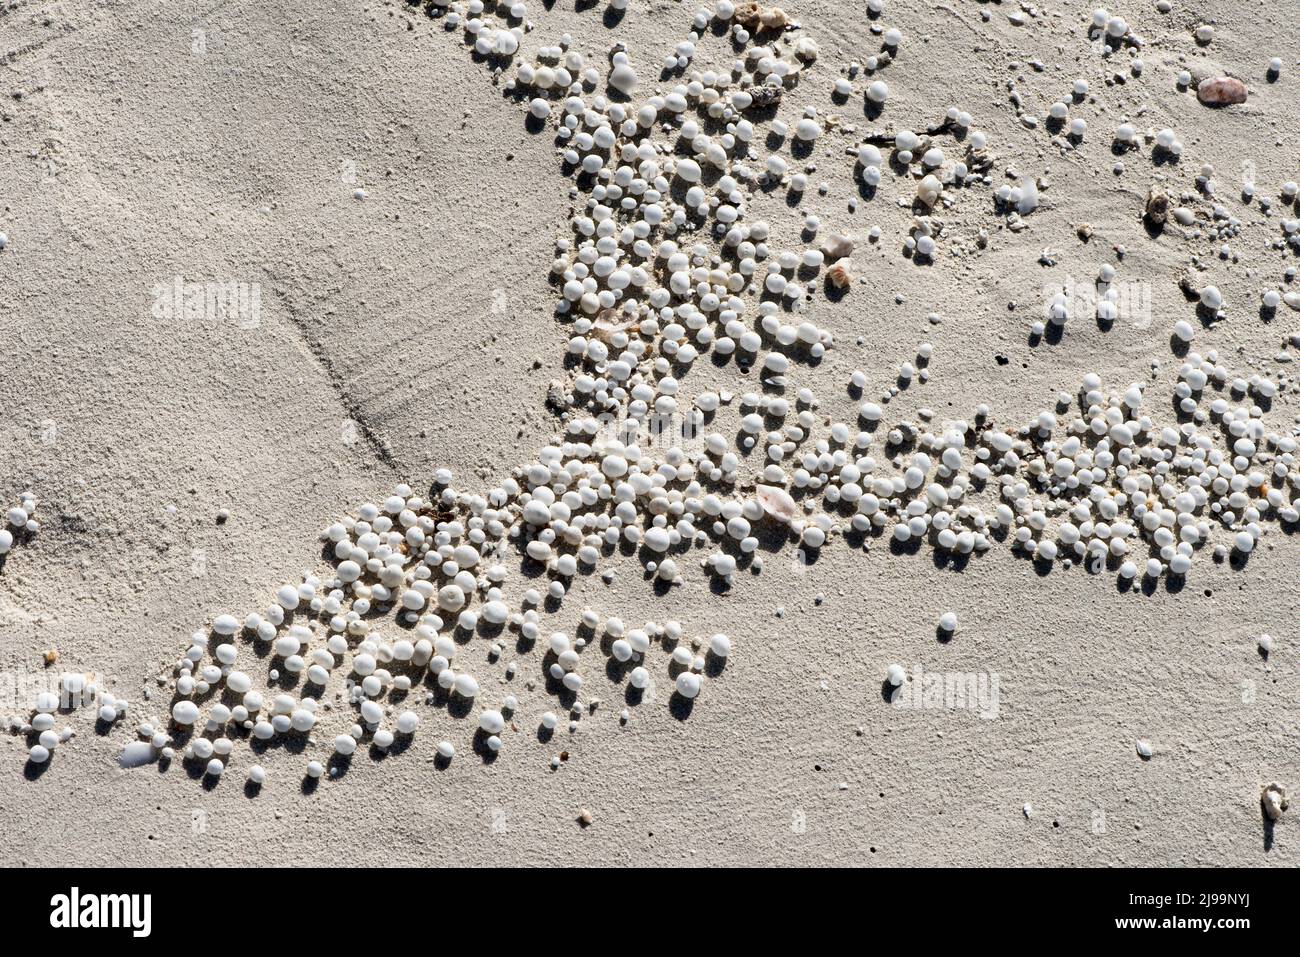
688	684
466	686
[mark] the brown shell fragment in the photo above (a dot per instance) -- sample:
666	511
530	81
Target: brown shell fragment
765	95
765	18
1157	209
839	275
1221	91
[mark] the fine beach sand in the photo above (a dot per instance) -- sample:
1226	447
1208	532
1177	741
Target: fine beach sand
413	330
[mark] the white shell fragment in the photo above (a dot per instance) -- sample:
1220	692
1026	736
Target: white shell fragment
777	503
137	754
1274	801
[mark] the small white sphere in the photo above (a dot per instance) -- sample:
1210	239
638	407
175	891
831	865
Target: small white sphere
466	686
688	684
287	596
492	722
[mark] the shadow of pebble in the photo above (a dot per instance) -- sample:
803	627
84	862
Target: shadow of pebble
339	765
680	707
481	748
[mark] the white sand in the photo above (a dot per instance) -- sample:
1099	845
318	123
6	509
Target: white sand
413	330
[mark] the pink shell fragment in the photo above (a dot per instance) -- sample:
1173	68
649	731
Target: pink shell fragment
1221	91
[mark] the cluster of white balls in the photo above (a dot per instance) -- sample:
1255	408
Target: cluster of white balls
1113	28
74	690
664	264
1118	478
439	576
19	520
